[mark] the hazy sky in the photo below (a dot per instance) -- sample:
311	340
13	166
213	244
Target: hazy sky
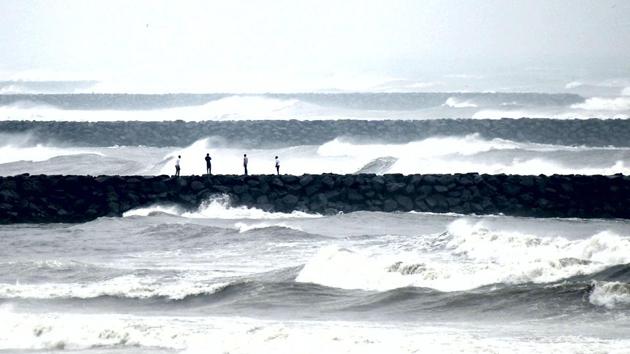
315	45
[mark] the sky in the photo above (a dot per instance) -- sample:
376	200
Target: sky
323	45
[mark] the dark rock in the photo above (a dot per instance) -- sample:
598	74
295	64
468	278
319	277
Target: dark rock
306	180
277	182
239	189
290	200
393	187
328	181
355	196
197	186
405	202
390	205
440	188
28	198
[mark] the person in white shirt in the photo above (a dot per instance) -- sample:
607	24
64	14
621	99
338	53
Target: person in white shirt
245	161
277	166
177	168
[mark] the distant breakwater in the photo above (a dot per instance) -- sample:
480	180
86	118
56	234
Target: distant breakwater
356	100
43	198
282	133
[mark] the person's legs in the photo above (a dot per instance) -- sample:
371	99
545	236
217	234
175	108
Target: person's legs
278	170
177	171
245	170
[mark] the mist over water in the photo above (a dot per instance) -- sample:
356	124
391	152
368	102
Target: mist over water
322	106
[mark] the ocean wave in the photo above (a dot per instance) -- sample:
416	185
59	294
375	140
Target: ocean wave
343	155
235	107
217	207
67	331
40	152
53	269
126	286
439	154
454	102
610	294
468	257
196	334
245	227
577	111
604	104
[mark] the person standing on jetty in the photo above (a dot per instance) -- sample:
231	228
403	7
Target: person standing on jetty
245	161
208	164
177	168
277	166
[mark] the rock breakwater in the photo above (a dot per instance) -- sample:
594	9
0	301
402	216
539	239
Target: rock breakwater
43	198
270	133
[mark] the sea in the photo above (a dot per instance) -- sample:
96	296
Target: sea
231	279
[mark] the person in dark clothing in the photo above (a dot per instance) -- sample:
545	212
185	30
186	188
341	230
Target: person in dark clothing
177	168
208	164
245	161
277	166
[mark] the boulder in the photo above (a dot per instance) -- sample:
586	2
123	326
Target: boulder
197	186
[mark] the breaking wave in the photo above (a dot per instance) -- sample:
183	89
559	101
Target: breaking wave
218	207
439	154
128	286
466	257
610	294
454	102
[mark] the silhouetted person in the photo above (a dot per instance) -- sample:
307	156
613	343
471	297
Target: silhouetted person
277	166
245	161
208	164
177	168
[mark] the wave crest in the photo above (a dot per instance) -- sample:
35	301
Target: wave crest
610	294
128	286
217	207
468	256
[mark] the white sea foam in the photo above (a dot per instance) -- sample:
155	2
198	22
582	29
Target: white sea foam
449	154
610	294
154	210
604	104
461	155
217	207
471	257
204	334
57	331
237	107
128	286
38	152
454	102
574	113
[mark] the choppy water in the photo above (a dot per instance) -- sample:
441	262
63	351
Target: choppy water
451	154
420	105
235	280
241	280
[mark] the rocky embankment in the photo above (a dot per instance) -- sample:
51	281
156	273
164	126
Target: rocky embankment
44	198
270	133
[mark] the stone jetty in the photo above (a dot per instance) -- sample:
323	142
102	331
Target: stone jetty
44	198
284	133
